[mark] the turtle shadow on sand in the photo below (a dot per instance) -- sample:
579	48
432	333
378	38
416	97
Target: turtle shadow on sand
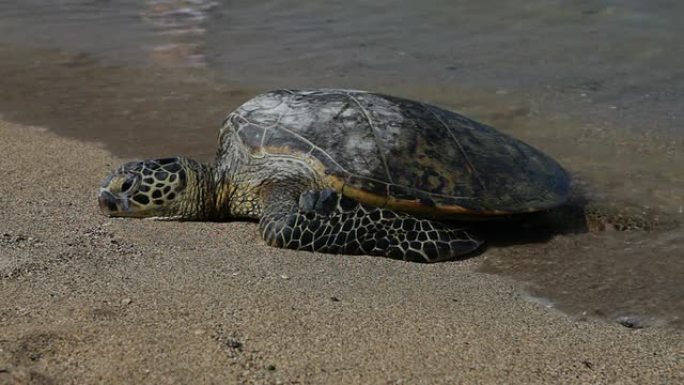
582	214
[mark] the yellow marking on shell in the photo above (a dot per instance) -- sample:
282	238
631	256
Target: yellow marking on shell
408	206
443	211
355	193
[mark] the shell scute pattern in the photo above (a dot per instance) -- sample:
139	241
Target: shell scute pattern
399	149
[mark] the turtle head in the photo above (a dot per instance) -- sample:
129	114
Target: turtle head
163	188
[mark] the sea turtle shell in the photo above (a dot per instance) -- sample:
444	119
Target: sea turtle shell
409	156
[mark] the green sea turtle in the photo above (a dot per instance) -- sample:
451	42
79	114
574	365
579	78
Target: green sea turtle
352	172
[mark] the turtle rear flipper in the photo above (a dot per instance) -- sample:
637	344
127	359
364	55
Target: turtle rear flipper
328	222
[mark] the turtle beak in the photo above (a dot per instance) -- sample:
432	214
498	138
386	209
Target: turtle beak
109	205
107	202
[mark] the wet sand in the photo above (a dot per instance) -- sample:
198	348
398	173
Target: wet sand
89	299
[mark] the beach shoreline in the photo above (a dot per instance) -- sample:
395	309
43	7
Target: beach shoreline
89	299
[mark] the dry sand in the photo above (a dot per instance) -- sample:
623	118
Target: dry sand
87	300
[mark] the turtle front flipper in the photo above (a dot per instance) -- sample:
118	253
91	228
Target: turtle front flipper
325	221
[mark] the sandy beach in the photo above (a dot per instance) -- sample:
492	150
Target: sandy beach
92	300
86	299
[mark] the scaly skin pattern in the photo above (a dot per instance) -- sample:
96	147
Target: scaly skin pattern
330	223
163	188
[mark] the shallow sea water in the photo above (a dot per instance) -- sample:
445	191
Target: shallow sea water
599	85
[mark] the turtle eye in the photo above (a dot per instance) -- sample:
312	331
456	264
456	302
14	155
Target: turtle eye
128	183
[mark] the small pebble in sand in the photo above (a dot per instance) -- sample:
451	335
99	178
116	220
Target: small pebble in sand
283	276
126	301
234	343
630	321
